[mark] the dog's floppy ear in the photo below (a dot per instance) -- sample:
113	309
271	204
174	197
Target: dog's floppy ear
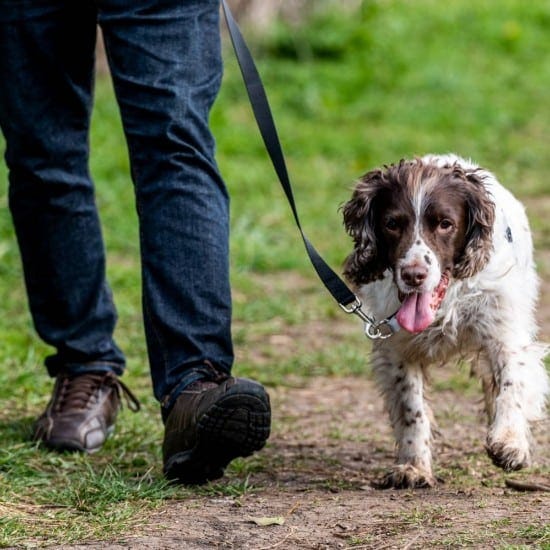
365	263
479	235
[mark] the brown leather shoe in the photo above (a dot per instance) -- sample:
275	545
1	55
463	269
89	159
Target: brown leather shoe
212	423
82	411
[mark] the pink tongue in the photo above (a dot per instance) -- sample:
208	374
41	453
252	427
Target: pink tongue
416	313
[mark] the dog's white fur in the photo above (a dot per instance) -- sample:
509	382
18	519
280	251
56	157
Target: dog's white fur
488	318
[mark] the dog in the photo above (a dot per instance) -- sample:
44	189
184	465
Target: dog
443	247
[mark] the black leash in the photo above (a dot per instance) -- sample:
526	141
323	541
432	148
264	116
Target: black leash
347	300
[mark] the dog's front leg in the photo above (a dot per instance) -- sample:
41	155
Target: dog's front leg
521	386
402	387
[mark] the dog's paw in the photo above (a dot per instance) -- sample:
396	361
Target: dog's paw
508	456
406	476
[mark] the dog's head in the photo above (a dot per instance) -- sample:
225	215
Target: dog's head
426	224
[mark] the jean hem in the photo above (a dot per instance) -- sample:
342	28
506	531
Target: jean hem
85	368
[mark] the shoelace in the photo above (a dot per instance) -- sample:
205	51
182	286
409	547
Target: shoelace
80	392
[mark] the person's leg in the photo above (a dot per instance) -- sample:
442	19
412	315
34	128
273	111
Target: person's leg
166	66
46	70
166	63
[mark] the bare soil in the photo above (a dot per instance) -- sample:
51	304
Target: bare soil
330	440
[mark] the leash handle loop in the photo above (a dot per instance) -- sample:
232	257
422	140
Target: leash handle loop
264	119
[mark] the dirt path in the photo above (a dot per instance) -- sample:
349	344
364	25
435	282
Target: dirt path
330	440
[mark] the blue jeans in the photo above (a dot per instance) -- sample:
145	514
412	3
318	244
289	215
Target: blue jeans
165	60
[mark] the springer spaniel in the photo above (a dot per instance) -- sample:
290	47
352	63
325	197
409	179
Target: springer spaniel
440	244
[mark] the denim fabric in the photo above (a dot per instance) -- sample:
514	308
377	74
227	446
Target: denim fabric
165	60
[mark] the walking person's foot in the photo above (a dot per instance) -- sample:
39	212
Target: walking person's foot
82	411
210	424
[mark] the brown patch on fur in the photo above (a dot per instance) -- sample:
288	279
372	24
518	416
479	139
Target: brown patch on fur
457	219
481	218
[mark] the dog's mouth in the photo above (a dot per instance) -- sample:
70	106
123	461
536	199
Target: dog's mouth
418	309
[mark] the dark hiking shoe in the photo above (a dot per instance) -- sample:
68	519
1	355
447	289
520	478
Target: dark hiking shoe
82	411
211	424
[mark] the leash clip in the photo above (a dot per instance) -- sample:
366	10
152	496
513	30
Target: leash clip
373	330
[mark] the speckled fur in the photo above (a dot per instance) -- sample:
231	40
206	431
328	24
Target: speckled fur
486	317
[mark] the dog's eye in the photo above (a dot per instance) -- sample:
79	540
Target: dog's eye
446	225
391	224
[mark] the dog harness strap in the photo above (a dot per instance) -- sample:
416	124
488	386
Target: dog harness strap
347	300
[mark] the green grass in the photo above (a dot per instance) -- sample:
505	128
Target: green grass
351	90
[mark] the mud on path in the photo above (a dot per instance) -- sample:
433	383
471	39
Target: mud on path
330	439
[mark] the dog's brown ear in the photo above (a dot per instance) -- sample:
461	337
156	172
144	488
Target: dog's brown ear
364	264
479	235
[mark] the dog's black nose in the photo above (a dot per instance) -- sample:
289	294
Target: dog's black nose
414	275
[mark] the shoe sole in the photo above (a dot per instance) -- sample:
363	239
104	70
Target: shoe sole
237	425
